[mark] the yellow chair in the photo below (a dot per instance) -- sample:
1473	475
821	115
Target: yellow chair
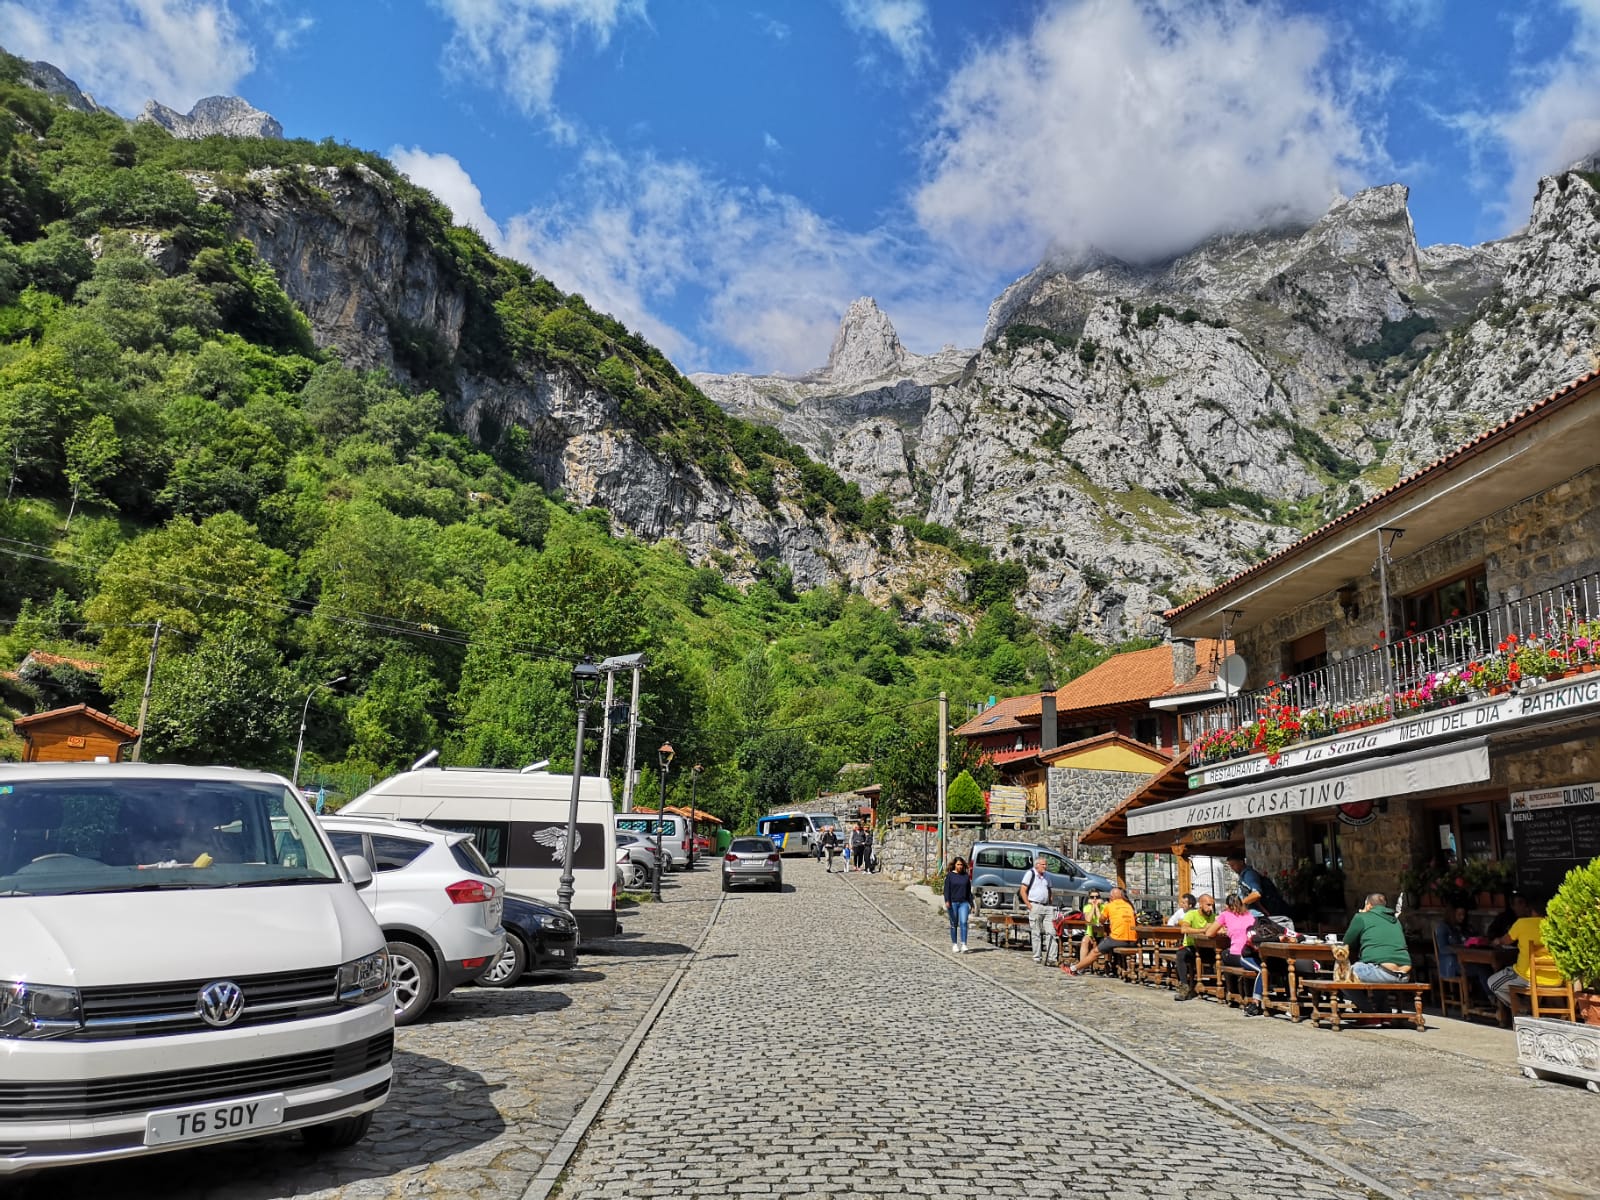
1547	1000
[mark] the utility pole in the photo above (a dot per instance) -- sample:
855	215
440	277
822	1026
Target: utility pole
944	771
605	735
144	700
633	741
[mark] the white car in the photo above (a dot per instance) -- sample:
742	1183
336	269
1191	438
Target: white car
640	852
435	899
183	960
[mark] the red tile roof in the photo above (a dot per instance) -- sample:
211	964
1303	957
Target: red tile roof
93	714
1128	678
45	659
1103	739
1001	717
1513	424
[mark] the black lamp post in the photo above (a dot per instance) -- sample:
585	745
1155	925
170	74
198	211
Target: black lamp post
664	756
585	683
694	783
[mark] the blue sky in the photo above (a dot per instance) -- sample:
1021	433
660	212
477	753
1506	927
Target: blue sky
727	175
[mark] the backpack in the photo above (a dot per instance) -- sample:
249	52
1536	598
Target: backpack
1266	929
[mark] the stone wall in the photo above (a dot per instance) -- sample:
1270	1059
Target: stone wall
1548	539
1080	797
908	854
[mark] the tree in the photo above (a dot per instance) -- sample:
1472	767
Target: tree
773	763
393	721
964	795
92	455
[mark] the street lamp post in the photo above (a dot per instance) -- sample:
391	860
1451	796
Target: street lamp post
694	783
585	682
305	711
664	757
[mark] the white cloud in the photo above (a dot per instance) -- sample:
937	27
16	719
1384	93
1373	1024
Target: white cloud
446	178
904	24
518	44
1138	129
770	144
770	276
1554	118
125	52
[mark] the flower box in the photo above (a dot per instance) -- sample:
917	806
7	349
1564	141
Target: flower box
1548	1049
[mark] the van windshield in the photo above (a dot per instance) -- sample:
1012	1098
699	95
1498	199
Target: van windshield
61	837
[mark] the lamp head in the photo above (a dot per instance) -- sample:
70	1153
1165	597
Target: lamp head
336	682
696	769
1349	604
585	682
665	755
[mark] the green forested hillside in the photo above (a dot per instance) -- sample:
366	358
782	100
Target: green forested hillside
176	448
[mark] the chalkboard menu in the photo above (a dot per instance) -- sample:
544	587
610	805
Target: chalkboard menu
1554	831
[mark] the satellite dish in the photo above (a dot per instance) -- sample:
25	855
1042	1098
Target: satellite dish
1234	671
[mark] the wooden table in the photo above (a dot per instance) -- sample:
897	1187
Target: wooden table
1493	957
1292	954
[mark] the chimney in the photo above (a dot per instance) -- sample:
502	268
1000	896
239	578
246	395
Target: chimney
1047	718
1183	660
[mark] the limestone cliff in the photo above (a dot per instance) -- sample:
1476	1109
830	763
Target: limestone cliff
214	116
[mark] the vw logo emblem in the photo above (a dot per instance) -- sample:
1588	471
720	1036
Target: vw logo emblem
220	1004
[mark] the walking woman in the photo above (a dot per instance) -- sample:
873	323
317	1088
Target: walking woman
958	903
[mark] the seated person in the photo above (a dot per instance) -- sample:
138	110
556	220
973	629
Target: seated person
1526	932
1185	907
1119	915
1198	918
1236	921
1378	952
1449	932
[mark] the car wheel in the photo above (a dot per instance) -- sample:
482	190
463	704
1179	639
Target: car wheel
504	971
336	1135
726	885
414	981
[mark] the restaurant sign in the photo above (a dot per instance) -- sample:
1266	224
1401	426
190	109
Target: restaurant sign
1324	789
1476	717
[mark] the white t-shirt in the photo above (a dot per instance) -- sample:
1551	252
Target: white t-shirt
1038	887
1177	917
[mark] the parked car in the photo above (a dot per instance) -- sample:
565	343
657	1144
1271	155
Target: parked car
436	900
641	851
539	937
752	860
185	961
998	868
673	831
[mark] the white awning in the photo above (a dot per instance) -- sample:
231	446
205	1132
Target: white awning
1394	775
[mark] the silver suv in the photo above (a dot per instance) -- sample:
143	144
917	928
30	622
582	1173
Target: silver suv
998	868
436	900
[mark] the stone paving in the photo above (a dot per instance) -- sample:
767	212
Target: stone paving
1444	1112
861	1062
484	1085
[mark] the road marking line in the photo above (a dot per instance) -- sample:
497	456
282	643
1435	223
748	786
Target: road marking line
556	1162
1233	1110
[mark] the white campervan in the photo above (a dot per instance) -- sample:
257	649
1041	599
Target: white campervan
674	831
519	821
183	960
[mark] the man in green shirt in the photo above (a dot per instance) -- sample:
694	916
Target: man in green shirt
1197	918
1377	944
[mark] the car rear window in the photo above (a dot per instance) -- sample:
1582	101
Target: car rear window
468	859
751	846
390	853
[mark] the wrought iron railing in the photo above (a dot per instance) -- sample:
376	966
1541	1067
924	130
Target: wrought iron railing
1546	633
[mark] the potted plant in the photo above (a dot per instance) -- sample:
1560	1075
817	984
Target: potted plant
1572	935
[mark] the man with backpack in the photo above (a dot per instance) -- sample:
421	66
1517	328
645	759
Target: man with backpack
1260	895
1034	893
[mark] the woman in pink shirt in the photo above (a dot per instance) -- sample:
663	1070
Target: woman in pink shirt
1235	920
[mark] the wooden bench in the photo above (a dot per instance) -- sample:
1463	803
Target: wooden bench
1327	999
1238	985
1129	963
1003	929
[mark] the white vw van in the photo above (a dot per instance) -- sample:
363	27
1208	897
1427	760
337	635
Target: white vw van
674	831
519	821
182	960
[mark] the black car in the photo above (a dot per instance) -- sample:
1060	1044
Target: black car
539	937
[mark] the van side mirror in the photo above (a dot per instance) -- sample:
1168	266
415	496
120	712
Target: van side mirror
359	870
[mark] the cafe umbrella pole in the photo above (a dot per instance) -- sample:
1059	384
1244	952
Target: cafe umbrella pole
664	757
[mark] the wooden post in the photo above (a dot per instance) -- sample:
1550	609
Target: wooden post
1185	871
1120	859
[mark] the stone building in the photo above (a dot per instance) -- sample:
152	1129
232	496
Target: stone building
1422	681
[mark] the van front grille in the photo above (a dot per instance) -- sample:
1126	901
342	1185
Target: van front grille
86	1098
154	1009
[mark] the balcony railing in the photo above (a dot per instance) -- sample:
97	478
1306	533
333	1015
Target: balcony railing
1542	635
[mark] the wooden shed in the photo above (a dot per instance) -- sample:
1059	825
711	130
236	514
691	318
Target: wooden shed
74	734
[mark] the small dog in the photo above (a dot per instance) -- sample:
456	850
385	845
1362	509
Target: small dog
1341	965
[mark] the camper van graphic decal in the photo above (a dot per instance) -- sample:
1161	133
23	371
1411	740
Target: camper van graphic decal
555	836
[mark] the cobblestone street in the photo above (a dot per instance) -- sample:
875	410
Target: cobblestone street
825	1042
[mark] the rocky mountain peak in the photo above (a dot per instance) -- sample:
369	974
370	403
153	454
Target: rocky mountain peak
866	346
225	115
52	80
